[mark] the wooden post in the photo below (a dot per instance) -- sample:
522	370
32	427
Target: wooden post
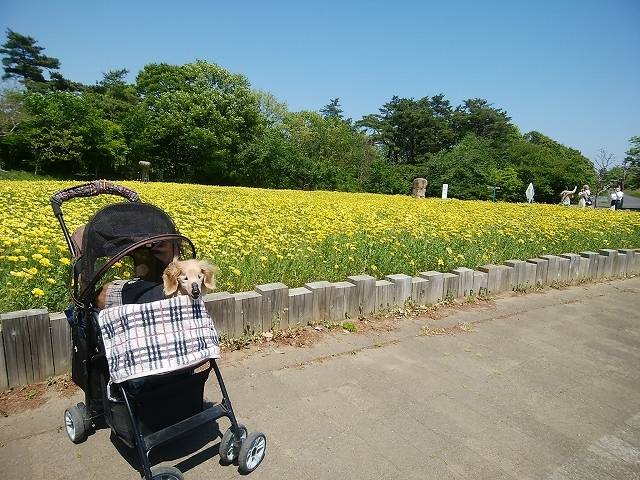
574	266
41	349
479	283
435	289
321	300
465	281
17	347
384	295
221	307
343	301
499	278
554	272
419	290
4	381
365	291
524	273
275	306
300	306
402	290
61	342
542	270
450	285
248	312
593	263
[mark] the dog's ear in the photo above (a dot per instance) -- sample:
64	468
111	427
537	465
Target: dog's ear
170	278
210	273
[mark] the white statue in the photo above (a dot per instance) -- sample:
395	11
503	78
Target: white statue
565	196
530	192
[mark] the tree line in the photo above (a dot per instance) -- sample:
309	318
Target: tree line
198	122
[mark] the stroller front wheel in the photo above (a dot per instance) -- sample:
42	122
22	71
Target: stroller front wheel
229	447
76	423
166	473
252	452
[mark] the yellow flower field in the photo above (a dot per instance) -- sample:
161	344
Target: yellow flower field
259	236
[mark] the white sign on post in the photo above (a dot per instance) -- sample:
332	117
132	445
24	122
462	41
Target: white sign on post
445	190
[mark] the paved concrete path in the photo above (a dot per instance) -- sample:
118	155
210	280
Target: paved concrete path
544	386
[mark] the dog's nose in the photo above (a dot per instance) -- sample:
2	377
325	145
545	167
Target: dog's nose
195	290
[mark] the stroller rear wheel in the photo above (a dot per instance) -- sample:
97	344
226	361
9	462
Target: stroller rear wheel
166	473
229	447
77	423
252	452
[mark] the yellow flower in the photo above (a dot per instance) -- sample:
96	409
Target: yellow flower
65	261
440	262
52	281
37	292
36	256
236	271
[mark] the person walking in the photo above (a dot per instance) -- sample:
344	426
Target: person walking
614	198
619	198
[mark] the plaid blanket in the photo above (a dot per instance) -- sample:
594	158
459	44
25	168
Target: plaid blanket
158	337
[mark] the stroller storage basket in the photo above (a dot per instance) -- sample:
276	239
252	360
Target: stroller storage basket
162	400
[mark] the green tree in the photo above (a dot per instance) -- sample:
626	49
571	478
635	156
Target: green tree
632	162
477	116
410	130
67	134
469	168
273	110
24	60
332	110
194	121
551	166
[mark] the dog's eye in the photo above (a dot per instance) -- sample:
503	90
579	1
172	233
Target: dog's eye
184	278
200	276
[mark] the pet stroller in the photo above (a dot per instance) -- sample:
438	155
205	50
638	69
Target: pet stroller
143	413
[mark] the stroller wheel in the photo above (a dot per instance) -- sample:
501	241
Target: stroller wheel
77	423
229	447
252	452
166	473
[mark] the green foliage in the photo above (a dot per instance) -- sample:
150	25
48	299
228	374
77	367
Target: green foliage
332	110
67	134
201	123
469	168
24	60
551	167
408	130
193	121
632	163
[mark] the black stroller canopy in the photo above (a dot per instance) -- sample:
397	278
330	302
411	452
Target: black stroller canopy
118	226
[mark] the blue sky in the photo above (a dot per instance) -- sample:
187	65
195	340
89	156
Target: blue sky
569	69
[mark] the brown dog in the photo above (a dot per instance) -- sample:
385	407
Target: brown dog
189	277
181	277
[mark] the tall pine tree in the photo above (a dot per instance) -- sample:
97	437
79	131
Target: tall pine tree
24	60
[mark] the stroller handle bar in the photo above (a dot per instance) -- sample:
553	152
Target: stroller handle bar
91	189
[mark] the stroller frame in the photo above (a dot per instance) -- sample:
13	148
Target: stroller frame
91	372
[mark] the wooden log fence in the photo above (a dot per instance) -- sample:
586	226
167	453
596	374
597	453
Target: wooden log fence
35	344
